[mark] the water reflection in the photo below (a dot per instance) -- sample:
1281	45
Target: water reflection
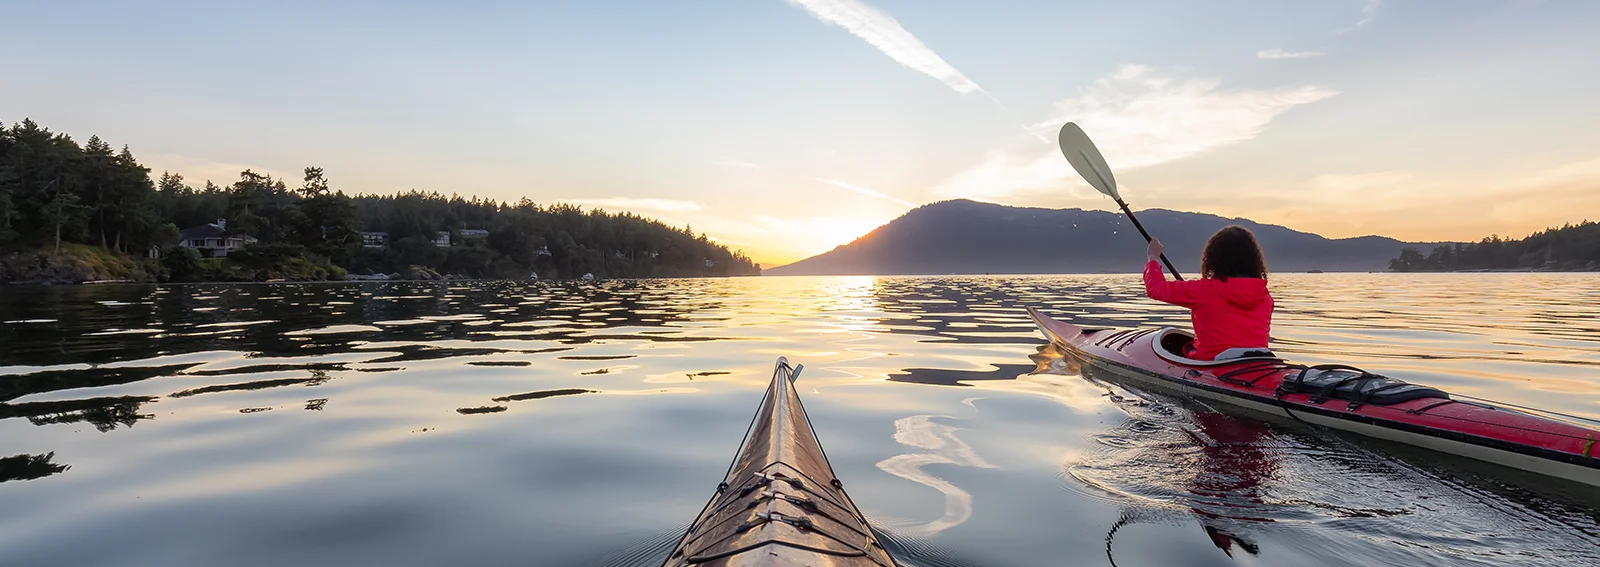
939	445
564	421
105	413
29	467
947	377
543	394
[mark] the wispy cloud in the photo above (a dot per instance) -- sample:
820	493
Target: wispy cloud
883	32
1138	117
1438	205
1346	181
634	204
1281	54
1369	12
862	190
1373	190
197	170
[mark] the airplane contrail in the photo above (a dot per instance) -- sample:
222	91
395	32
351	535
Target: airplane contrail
885	33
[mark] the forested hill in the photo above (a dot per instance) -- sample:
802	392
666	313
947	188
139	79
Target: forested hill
1569	248
968	237
83	212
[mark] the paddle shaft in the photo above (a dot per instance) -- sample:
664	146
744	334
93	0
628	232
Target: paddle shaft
1164	260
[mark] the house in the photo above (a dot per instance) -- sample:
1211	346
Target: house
442	239
212	239
473	233
374	239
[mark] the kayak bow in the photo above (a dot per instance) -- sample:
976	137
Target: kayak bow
1341	397
779	504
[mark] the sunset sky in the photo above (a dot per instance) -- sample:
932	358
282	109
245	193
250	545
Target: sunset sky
785	128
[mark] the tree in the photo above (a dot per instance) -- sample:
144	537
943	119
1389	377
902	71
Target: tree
1410	260
315	184
328	226
8	213
96	169
182	264
61	210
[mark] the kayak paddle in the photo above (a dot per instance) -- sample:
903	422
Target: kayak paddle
1086	159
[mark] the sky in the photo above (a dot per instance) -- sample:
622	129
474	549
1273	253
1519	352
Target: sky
784	128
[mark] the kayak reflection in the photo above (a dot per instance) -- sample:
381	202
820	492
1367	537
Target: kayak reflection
1232	470
1211	464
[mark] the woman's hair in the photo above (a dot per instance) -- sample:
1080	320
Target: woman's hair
1233	253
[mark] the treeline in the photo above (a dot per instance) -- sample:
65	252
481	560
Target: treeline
1569	248
55	192
52	190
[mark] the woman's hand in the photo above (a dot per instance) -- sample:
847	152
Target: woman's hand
1154	251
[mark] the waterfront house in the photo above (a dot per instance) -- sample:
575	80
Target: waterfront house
212	240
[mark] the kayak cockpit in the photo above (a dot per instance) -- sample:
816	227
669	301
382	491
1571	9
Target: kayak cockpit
1168	342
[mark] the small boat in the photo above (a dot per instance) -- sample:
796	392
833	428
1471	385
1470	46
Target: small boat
779	504
1343	398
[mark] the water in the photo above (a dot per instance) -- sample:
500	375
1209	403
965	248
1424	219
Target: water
494	423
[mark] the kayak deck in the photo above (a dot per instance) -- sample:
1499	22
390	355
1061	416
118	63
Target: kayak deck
780	504
1472	429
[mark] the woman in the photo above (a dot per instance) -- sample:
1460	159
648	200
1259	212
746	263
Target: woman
1229	304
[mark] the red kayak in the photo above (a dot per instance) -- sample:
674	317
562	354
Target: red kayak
1340	397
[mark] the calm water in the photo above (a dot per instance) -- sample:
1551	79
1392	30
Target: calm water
547	424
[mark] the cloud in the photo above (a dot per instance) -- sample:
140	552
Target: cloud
735	164
1369	12
1453	204
1382	190
862	190
197	170
633	204
1347	182
1138	118
883	32
1281	54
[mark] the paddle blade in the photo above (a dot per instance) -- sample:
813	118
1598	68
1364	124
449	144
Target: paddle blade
1086	159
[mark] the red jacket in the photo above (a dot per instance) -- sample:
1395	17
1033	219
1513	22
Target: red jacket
1226	314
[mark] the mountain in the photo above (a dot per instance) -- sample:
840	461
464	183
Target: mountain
969	237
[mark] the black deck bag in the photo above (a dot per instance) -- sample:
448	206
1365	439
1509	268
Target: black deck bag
1340	382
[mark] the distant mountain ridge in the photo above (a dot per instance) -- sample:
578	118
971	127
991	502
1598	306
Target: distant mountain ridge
969	237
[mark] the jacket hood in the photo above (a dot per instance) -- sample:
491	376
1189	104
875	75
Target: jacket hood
1244	293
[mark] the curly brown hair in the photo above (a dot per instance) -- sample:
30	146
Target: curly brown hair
1233	253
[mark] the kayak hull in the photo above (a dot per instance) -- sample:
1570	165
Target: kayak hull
1479	431
779	504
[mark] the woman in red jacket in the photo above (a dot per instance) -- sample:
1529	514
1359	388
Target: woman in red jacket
1229	304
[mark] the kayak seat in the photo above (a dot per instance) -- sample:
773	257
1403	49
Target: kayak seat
1348	383
1170	341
